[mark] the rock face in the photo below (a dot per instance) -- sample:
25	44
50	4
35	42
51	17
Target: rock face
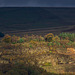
1	34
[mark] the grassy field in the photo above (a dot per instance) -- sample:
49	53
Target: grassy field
38	55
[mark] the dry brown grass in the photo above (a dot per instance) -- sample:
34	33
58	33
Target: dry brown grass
36	51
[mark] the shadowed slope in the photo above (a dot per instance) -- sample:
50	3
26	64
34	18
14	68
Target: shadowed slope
31	18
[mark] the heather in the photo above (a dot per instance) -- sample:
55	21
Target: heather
38	55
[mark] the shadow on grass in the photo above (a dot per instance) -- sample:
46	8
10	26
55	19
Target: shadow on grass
22	69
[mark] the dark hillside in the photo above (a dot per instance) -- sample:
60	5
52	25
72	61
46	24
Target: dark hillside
24	18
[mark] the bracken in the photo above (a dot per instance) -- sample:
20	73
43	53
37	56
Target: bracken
71	50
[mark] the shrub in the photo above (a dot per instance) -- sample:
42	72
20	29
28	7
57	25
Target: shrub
27	38
69	44
73	44
63	35
24	39
21	40
63	46
1	73
7	45
6	39
70	36
41	38
34	42
49	37
50	44
13	42
64	42
15	39
56	38
47	64
57	43
30	46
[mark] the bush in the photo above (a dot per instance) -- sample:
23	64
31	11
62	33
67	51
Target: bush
70	36
50	44
13	42
15	39
21	40
56	38
7	39
41	38
63	35
30	46
57	43
6	45
33	42
49	37
64	42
